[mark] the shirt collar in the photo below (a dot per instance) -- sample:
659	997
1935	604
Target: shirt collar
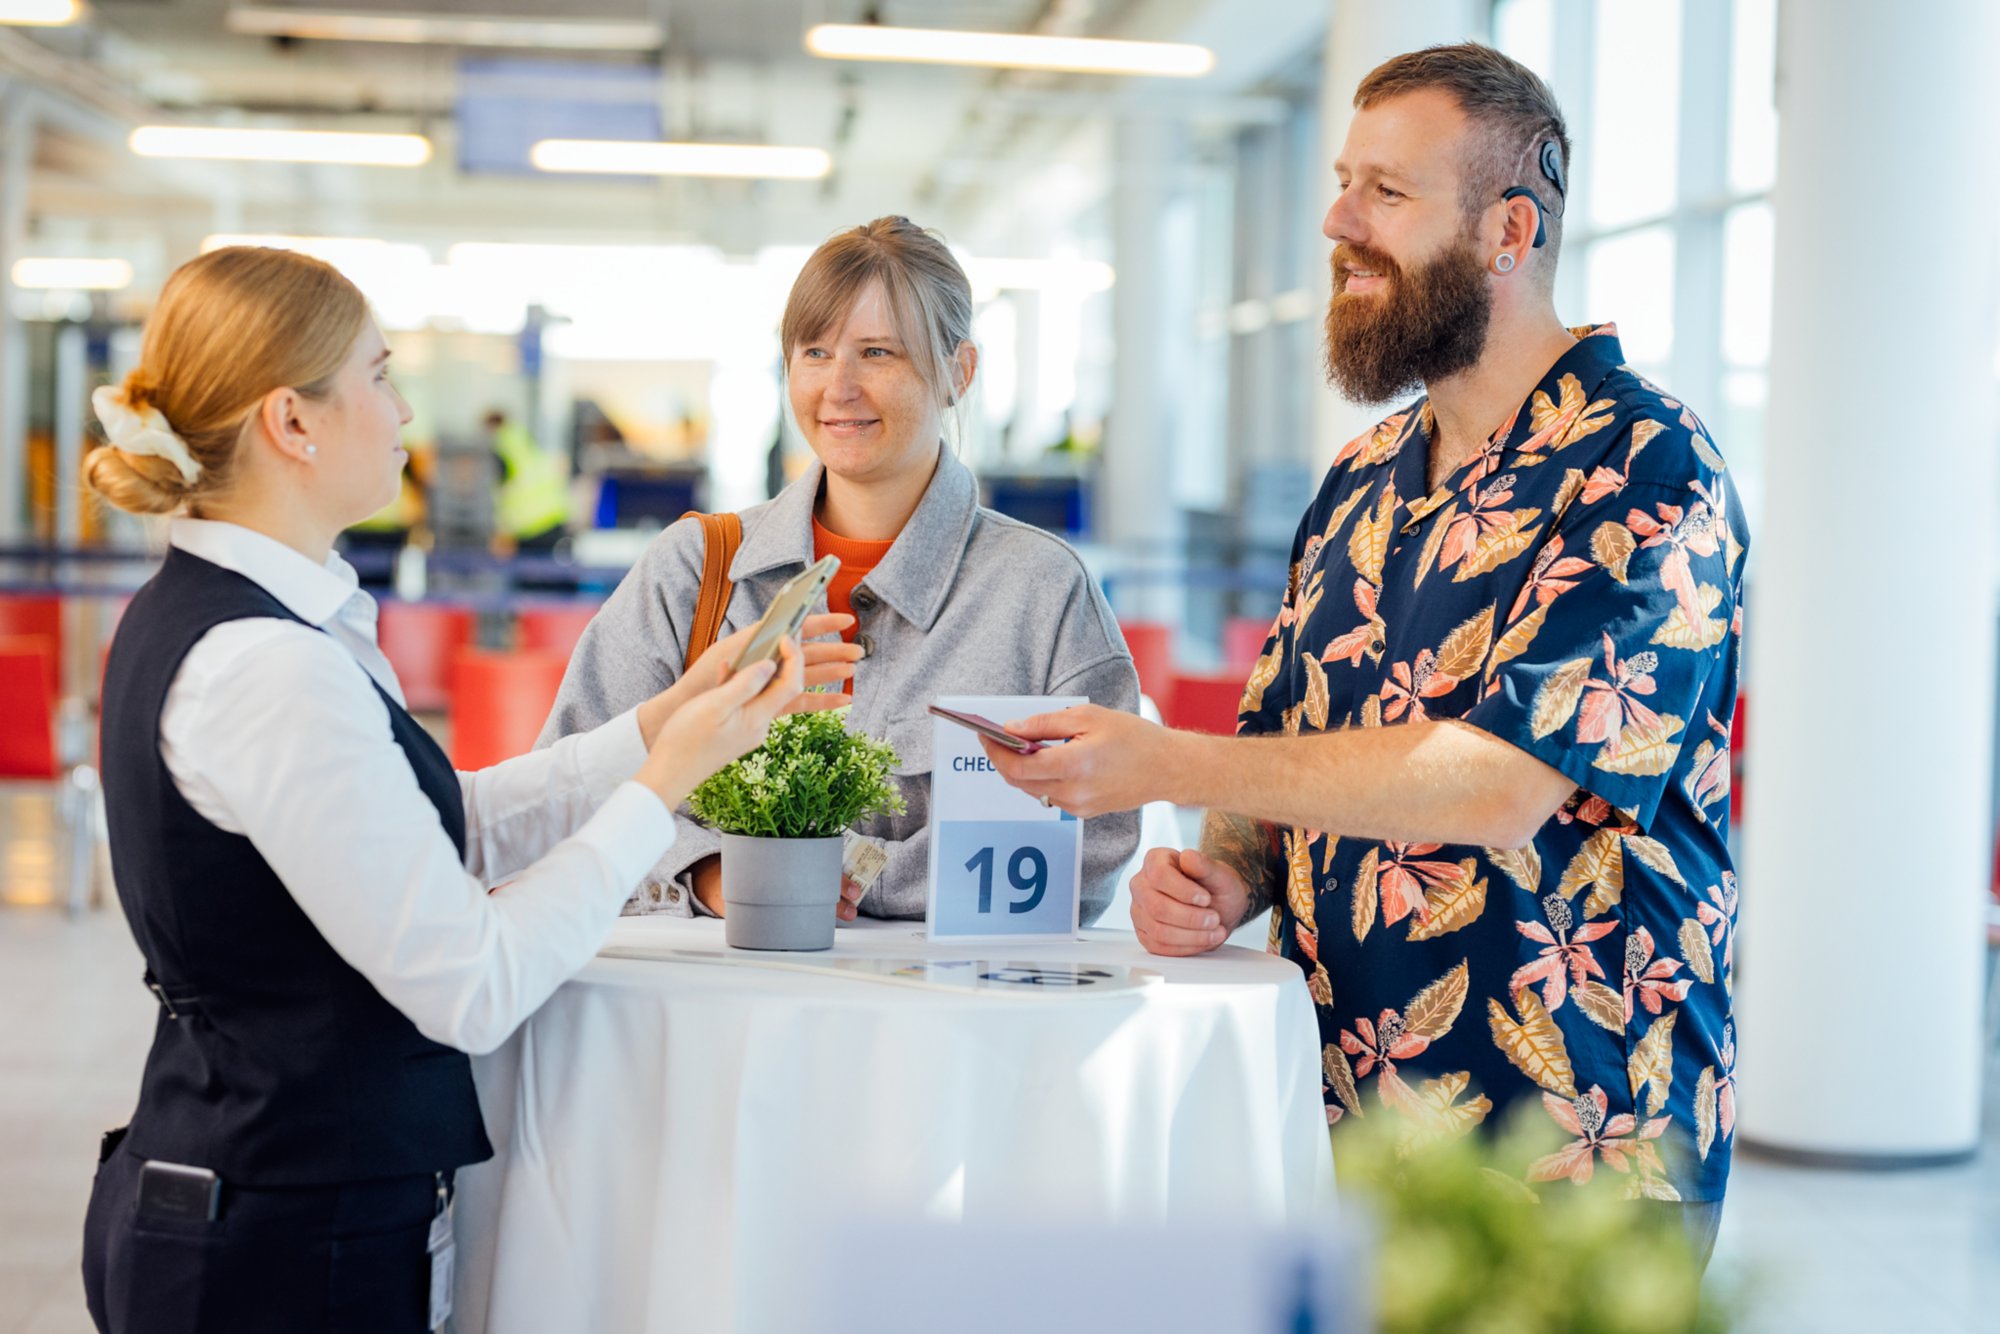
1566	391
313	593
1589	362
918	571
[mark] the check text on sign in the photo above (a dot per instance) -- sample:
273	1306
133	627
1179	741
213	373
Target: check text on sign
1002	865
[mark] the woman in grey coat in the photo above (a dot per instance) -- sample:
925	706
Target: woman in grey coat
949	598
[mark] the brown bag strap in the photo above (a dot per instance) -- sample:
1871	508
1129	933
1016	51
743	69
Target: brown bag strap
721	534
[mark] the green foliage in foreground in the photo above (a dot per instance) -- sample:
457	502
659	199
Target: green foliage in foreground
811	778
1463	1245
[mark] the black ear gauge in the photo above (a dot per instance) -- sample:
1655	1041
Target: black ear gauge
1541	229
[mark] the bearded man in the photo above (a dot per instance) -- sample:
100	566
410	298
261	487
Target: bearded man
1487	798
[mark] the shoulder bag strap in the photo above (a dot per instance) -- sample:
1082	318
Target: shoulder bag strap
721	534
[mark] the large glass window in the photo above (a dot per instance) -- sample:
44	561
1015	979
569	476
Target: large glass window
1753	108
1526	30
1680	260
1746	285
1631	281
1635	131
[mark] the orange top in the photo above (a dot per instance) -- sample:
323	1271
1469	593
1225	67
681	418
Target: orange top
857	559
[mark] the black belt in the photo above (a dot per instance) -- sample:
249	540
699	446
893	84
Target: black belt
172	999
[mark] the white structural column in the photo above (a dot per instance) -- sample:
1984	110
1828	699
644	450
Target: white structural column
1152	312
17	145
1871	607
1361	35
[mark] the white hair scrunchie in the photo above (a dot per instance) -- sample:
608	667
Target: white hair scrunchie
142	431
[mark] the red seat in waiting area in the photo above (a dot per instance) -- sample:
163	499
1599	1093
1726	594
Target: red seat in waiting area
1205	701
1243	639
27	709
1152	646
554	627
1739	728
499	702
36	617
420	640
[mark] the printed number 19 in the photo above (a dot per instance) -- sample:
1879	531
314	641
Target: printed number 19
1027	870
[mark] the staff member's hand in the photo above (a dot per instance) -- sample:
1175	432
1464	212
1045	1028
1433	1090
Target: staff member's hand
1108	760
825	664
1186	902
716	726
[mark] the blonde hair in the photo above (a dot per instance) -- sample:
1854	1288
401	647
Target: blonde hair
929	296
230	327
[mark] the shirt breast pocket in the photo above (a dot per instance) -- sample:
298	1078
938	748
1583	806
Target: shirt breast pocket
910	738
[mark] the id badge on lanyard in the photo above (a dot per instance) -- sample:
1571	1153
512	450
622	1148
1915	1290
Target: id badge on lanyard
443	1252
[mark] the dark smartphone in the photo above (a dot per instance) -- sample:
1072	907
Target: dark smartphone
180	1194
986	727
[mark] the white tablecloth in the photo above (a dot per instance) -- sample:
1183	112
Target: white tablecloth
669	1134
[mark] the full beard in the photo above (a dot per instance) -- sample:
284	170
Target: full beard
1427	323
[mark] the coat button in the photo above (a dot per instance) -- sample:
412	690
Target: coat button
862	600
867	643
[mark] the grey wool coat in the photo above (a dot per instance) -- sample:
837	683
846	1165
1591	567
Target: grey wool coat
967	602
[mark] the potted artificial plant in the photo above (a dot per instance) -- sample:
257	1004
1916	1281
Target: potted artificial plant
781	811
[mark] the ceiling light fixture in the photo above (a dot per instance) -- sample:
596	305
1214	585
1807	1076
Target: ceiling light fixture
556	34
72	275
239	145
1066	275
638	158
40	13
1076	55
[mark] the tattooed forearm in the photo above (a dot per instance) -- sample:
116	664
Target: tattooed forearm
1245	846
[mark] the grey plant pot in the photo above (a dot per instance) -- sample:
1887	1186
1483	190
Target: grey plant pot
780	893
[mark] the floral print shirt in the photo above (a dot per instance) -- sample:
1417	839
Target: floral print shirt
1574	590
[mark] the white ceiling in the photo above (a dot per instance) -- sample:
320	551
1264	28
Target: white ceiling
940	144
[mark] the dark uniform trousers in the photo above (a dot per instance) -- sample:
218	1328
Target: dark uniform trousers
351	1258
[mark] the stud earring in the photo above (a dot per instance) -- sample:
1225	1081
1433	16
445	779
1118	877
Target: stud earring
1503	263
312	449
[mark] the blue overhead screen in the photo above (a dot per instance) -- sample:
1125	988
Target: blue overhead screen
506	106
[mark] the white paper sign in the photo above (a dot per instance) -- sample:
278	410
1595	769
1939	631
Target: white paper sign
1003	866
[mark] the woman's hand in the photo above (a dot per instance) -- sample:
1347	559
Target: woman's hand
825	664
714	726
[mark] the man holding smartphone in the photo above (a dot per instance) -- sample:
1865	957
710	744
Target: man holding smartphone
1482	773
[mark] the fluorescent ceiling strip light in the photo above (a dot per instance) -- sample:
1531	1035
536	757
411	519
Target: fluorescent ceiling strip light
339	251
1075	275
449	29
1077	55
274	241
40	13
637	158
343	147
74	275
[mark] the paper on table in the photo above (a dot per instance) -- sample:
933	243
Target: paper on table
998	977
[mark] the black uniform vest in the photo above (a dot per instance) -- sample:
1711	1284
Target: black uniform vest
274	1063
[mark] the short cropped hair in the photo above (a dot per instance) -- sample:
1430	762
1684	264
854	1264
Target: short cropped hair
1513	113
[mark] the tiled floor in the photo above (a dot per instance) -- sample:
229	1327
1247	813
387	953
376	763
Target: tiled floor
1821	1252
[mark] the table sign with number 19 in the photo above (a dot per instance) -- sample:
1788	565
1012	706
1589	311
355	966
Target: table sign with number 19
1003	866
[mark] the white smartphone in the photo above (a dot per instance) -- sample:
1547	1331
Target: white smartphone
787	612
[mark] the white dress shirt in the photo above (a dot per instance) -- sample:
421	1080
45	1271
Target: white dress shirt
272	730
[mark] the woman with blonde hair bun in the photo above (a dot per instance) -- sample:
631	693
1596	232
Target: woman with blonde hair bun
310	883
950	598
